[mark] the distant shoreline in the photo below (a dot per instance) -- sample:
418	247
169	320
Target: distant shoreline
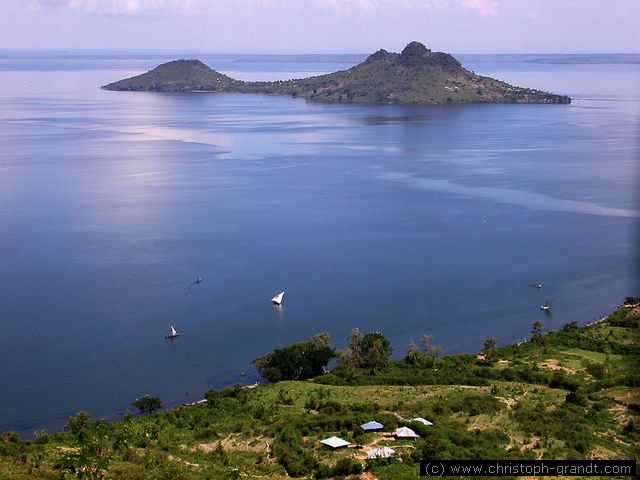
542	58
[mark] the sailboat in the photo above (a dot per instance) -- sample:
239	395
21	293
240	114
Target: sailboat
172	334
277	300
546	305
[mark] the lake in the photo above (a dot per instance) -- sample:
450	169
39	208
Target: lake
410	220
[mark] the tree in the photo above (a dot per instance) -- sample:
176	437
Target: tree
427	355
375	350
91	458
488	348
298	361
414	355
371	350
536	329
78	424
348	357
431	350
147	404
489	344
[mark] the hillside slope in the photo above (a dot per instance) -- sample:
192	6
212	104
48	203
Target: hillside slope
572	393
176	76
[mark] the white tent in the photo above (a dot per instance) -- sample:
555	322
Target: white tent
384	452
404	432
334	442
423	421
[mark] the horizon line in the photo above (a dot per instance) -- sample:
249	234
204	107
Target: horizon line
222	52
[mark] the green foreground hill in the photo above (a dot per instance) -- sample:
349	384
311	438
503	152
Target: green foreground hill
568	394
415	76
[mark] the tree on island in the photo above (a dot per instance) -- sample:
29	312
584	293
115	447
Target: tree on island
298	361
147	404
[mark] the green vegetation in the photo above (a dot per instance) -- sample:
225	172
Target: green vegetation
147	404
426	356
177	76
415	76
573	393
298	361
370	351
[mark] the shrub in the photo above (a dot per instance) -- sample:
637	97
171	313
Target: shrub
147	404
347	466
576	398
598	370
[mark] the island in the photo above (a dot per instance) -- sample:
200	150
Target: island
415	76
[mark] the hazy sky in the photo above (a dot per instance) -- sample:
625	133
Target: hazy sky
325	26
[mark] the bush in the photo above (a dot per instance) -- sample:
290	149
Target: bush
562	380
147	404
576	399
347	466
598	370
634	408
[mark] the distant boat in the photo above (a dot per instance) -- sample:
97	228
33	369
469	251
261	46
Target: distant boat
537	285
172	334
546	305
277	300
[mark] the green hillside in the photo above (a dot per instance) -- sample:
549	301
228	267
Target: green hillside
177	76
573	393
415	76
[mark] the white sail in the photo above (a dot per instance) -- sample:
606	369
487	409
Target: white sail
173	331
278	298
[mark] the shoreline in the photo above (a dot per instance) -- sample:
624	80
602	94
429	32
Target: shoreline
251	386
515	403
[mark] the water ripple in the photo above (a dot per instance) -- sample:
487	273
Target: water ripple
520	198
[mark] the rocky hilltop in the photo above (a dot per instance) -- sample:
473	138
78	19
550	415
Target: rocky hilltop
416	75
176	76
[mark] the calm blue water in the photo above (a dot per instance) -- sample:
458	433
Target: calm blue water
409	220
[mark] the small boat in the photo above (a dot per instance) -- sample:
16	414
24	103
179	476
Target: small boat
277	300
546	305
537	285
172	334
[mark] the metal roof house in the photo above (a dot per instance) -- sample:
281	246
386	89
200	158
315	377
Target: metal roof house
381	452
406	433
372	426
422	421
335	442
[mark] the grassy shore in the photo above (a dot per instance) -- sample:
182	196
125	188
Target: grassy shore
568	394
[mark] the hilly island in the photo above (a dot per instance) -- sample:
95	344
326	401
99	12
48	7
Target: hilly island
415	76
